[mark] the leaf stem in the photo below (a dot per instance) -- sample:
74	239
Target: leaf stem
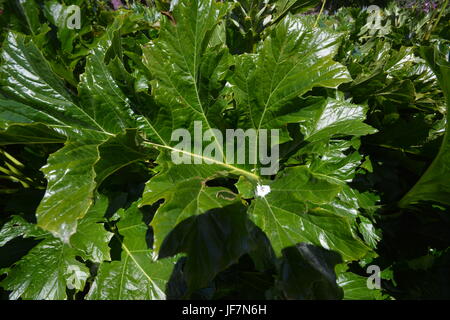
320	13
214	161
427	37
12	159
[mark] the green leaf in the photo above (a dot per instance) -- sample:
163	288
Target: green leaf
58	14
28	77
294	59
434	184
25	15
265	86
370	234
186	194
333	118
117	152
28	133
355	288
307	273
294	6
187	73
71	170
93	128
91	238
212	241
18	227
99	93
245	188
189	86
45	272
51	266
138	275
287	217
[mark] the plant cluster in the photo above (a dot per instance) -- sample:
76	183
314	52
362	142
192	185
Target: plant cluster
92	207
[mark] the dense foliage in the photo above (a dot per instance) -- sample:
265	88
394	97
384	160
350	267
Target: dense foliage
92	206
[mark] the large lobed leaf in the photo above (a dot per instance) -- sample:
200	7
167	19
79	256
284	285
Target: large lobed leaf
287	214
290	62
137	276
40	107
294	59
434	184
51	266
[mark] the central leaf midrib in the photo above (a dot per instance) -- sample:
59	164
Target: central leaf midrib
214	161
195	76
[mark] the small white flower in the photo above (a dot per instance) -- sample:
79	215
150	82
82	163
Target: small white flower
262	191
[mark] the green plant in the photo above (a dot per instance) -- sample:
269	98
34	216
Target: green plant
119	219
